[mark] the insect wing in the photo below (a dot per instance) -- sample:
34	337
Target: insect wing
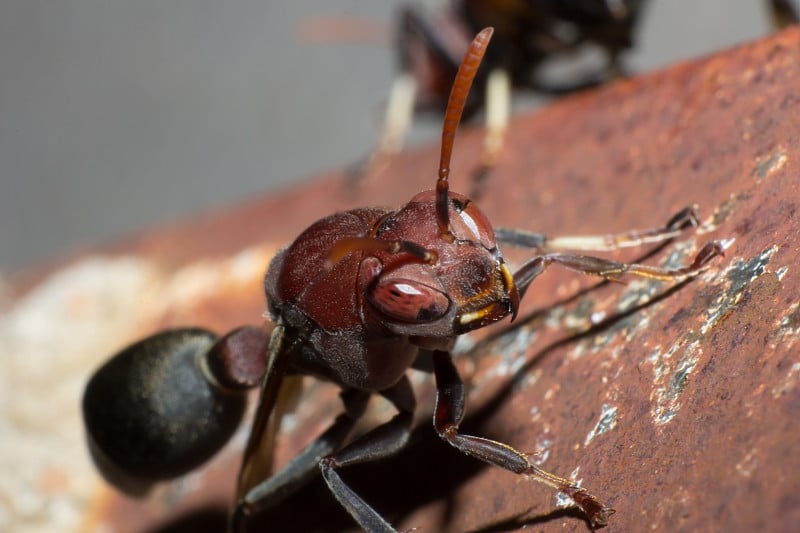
275	399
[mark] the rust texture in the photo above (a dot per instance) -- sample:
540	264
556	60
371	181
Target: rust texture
679	406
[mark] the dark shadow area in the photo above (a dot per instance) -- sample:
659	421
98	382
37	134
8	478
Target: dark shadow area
208	520
427	470
518	522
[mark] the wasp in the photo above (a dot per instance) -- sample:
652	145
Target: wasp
357	299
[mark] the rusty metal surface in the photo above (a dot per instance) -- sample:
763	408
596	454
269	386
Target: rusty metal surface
676	405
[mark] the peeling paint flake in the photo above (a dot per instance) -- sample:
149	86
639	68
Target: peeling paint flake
738	276
636	293
607	422
671	375
513	348
562	499
722	213
597	317
770	164
542	451
787	328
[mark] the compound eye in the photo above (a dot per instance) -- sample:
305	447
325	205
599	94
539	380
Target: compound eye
409	301
470	224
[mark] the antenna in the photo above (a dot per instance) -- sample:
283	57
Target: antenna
452	117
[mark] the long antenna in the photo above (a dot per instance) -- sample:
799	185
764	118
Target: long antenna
452	117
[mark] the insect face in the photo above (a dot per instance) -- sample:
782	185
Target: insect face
466	283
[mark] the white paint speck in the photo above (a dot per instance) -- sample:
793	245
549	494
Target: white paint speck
606	422
748	463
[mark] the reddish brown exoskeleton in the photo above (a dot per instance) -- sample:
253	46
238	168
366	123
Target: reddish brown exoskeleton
356	299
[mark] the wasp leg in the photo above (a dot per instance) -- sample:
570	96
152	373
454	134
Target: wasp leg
383	441
498	111
304	466
450	403
683	219
396	125
613	270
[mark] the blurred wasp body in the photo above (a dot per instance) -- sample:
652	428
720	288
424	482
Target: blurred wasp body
529	36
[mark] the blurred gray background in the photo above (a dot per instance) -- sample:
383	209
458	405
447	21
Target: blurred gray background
115	114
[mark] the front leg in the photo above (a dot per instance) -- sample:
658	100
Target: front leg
683	219
383	441
273	490
450	403
614	270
